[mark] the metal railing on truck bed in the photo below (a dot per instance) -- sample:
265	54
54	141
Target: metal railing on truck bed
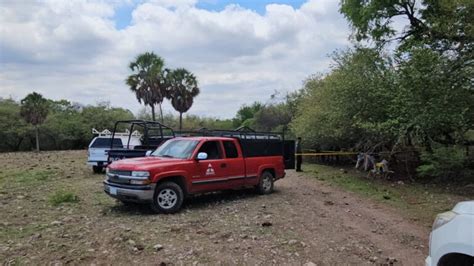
153	134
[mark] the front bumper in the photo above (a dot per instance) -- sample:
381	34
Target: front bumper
97	163
130	193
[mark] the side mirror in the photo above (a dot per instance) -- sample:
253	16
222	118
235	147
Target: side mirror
148	153
202	156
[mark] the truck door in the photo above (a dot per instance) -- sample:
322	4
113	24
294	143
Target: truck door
234	165
210	173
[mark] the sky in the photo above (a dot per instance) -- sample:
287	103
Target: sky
240	50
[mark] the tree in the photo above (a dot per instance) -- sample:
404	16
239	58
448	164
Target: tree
148	81
246	113
273	117
14	128
351	105
443	25
34	109
431	103
183	88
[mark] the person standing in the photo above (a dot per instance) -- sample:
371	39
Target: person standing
299	157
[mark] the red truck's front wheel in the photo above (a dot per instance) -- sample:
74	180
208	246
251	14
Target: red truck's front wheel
168	198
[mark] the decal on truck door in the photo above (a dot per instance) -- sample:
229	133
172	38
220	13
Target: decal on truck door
210	170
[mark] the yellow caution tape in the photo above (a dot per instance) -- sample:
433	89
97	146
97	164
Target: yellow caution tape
326	153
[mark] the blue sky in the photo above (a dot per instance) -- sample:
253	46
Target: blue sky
123	13
79	50
256	5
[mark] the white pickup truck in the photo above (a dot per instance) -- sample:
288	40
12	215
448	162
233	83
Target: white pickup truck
99	146
452	238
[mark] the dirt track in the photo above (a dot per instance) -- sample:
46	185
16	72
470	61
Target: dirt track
307	221
340	227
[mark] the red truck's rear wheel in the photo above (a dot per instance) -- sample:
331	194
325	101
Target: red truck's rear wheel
168	198
265	186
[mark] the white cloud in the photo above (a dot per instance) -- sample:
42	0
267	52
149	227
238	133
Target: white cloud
72	50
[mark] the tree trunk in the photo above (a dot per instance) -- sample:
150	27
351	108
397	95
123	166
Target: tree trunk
37	138
161	114
180	121
18	144
153	112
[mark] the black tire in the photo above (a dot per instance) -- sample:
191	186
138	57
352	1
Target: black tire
168	198
456	259
97	169
265	185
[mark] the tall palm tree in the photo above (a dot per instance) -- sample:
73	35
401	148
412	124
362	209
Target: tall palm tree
183	88
147	81
34	109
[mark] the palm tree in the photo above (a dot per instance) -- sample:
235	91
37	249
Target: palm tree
183	88
147	82
34	109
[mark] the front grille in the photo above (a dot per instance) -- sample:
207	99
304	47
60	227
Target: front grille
116	179
120	172
113	176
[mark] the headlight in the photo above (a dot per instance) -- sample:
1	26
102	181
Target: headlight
106	170
443	218
144	174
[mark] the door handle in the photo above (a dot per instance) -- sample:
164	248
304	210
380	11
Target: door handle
223	165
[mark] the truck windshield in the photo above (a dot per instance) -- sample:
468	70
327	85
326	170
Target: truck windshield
105	143
181	149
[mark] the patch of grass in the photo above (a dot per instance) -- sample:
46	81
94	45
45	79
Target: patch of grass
24	178
419	202
14	232
60	197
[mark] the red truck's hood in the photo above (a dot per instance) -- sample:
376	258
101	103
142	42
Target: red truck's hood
144	163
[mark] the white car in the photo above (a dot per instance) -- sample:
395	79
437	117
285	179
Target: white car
452	237
97	152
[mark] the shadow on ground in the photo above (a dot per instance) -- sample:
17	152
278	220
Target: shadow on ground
198	202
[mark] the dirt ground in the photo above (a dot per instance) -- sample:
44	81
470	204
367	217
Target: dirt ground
305	221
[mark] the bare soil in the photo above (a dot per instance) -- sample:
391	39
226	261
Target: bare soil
305	221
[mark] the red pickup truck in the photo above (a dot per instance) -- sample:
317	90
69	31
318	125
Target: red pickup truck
184	166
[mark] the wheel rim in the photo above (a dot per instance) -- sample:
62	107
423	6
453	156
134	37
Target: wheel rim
266	183
167	198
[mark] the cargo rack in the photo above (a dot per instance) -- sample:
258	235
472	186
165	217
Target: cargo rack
243	132
148	139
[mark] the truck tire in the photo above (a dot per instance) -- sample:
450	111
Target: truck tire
168	198
97	169
265	186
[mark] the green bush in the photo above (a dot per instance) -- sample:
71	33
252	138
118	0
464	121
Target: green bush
442	162
60	197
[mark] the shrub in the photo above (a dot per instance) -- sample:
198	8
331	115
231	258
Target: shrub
442	162
60	197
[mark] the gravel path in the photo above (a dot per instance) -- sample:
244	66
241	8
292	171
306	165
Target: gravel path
341	227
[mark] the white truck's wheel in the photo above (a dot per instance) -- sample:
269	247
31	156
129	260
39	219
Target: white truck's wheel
97	169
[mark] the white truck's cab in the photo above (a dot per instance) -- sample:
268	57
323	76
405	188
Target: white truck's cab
98	147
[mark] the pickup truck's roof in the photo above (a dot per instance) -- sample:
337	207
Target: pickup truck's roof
205	138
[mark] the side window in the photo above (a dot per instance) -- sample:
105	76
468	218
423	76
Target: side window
213	150
230	149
